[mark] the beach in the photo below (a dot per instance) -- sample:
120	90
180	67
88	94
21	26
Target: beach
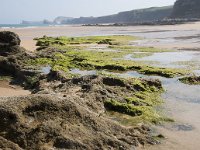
156	36
181	100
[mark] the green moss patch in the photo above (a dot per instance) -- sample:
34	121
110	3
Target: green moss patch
111	40
193	80
68	52
141	105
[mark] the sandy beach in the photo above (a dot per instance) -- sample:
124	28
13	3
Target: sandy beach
148	32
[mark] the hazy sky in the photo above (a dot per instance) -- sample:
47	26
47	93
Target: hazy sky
13	11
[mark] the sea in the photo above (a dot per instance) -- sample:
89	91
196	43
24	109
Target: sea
9	26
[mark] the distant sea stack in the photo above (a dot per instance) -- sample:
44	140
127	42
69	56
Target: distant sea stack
186	9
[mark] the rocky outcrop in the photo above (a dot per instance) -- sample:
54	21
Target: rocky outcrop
69	112
49	122
186	9
13	58
9	51
8	38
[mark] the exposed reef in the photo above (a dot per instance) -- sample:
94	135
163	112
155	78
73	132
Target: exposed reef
66	111
64	53
192	80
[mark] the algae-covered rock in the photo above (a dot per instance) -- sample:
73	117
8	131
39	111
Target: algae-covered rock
72	112
8	38
192	80
49	122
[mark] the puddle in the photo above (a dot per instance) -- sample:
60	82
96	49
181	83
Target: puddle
45	70
196	72
183	127
166	59
83	72
173	39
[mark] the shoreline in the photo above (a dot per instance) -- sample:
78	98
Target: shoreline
28	34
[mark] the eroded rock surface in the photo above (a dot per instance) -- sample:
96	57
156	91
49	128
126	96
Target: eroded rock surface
69	112
45	121
8	38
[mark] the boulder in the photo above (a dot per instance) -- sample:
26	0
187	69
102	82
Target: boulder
8	38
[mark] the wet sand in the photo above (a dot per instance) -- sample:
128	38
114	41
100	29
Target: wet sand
8	90
160	36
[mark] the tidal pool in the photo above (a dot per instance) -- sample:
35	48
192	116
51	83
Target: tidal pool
182	103
167	59
83	72
45	70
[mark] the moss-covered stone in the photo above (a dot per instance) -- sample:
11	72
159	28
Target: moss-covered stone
68	55
142	102
193	80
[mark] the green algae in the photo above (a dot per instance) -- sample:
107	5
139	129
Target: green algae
81	57
192	80
139	110
141	105
111	40
131	48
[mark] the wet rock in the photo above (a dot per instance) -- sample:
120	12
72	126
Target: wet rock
12	50
5	144
192	80
56	75
69	113
8	38
113	82
183	127
31	122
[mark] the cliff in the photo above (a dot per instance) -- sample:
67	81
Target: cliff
186	9
134	16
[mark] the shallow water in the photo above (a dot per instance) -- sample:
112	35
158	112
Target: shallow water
167	59
196	72
83	72
182	103
45	70
174	39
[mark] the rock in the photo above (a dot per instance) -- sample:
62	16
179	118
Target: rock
186	9
8	145
8	38
13	58
50	122
191	80
11	50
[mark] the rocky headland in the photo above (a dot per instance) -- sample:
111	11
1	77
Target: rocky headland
186	9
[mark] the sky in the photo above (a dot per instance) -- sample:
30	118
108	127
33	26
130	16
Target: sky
14	11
